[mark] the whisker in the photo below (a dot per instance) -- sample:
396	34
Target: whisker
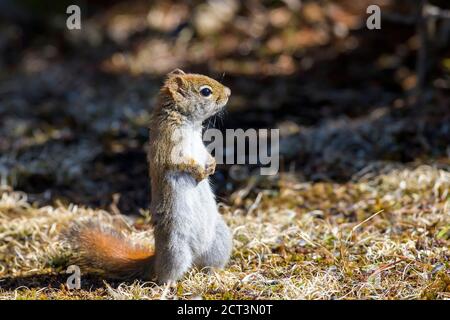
222	116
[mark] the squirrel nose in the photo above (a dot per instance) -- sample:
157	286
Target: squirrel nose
227	92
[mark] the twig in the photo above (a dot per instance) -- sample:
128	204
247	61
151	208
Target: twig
385	267
430	10
362	222
421	63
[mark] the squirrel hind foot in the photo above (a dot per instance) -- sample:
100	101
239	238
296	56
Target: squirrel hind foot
105	250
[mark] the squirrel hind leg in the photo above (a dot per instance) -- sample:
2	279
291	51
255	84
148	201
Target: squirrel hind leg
172	262
105	250
219	252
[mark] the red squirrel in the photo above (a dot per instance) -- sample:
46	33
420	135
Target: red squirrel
189	231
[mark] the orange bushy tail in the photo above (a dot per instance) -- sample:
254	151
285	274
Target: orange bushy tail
107	251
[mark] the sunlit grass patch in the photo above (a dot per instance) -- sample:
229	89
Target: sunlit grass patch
382	237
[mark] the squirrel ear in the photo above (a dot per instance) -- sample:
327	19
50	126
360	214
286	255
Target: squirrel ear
176	86
176	72
176	82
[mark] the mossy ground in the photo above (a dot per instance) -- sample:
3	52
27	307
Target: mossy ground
386	237
360	209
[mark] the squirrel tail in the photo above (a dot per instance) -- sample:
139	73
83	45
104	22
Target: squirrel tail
105	250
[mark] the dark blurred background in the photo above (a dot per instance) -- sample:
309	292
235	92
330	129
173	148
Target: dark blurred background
75	104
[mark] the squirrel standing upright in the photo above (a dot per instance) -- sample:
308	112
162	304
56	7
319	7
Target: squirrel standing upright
188	228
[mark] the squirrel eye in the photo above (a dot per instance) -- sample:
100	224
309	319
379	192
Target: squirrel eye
205	91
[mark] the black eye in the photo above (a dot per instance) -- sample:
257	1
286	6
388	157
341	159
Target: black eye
206	92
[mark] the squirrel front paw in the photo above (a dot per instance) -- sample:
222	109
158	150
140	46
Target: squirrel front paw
196	170
199	174
210	167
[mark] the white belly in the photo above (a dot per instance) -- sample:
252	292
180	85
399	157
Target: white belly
195	208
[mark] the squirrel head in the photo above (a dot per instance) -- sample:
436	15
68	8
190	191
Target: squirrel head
195	96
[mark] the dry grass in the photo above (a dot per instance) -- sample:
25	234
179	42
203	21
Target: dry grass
382	237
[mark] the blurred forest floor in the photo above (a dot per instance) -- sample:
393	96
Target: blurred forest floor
74	110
